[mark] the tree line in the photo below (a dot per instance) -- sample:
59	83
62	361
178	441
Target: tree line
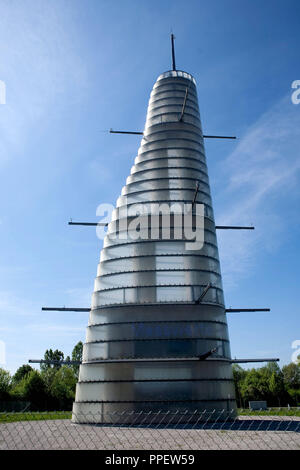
53	387
277	386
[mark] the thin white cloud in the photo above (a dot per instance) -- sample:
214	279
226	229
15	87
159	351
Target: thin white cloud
39	65
49	328
11	304
99	170
80	297
261	172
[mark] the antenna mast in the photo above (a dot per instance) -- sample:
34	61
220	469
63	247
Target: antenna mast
173	52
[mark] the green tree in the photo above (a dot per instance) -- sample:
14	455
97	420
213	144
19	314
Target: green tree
291	375
270	368
68	359
48	377
32	388
239	375
18	389
51	355
276	387
273	376
35	390
22	372
63	387
5	384
291	380
77	356
255	386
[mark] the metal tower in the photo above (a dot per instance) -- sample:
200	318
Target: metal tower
157	337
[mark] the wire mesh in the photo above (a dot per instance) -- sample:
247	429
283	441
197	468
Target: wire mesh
149	430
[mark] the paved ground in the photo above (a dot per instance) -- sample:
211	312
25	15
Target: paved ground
269	432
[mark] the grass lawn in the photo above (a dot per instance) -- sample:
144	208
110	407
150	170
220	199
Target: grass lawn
41	416
34	416
270	412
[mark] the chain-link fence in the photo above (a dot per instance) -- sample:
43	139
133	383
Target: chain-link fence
14	406
181	430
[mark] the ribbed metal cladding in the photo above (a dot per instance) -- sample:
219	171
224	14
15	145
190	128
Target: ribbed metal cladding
144	301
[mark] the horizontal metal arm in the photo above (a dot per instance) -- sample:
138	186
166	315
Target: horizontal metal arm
240	361
228	310
87	223
125	132
218	227
234	310
204	136
219	137
64	309
233	227
154	359
45	361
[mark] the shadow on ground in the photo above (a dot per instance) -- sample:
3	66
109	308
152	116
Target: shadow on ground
236	425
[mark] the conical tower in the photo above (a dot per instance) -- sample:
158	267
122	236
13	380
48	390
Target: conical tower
157	337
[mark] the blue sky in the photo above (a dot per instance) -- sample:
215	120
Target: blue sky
73	69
